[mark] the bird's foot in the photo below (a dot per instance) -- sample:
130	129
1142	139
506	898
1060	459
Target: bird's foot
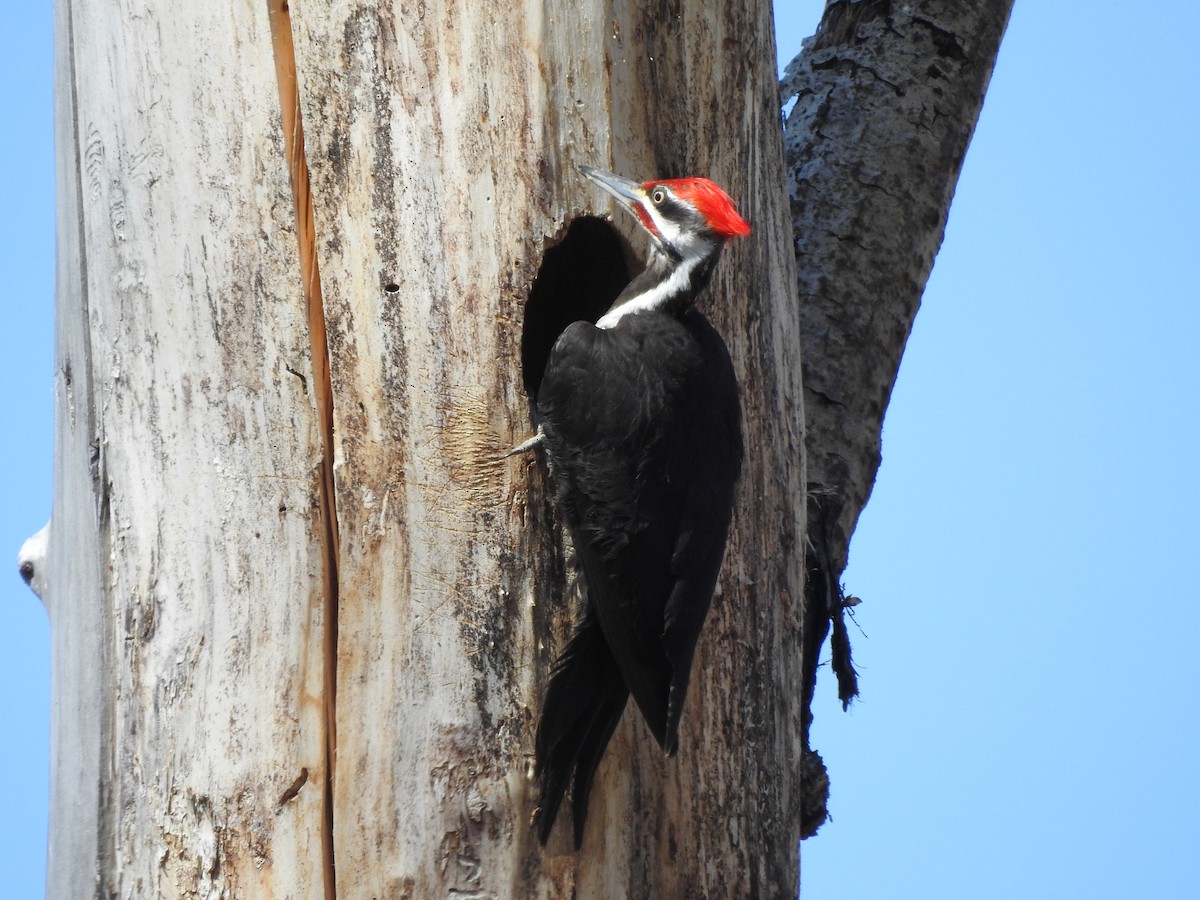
525	446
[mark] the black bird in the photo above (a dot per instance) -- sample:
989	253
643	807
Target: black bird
641	424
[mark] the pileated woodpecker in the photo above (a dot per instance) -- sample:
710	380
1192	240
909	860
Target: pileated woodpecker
641	424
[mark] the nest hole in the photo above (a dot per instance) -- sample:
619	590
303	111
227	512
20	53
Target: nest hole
578	280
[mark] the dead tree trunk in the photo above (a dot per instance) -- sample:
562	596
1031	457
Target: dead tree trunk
186	591
302	612
443	153
886	99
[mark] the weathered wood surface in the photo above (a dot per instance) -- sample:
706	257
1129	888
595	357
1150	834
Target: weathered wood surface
442	141
194	566
187	583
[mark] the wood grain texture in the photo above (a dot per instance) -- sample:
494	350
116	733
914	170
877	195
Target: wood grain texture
190	586
80	724
442	139
185	600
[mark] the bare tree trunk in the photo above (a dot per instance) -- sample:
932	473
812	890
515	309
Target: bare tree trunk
886	99
302	612
443	153
186	553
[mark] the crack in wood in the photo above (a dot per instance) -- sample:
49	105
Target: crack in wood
293	140
293	789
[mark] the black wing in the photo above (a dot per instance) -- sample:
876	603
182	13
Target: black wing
642	431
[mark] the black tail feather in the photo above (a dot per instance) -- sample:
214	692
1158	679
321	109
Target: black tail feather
604	723
584	702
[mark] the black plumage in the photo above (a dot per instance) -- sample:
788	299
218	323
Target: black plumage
641	425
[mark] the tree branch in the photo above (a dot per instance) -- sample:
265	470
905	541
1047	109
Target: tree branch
886	100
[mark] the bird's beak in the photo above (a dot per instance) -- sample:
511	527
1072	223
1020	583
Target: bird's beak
629	194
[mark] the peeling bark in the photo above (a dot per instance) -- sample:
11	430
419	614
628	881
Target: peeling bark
886	99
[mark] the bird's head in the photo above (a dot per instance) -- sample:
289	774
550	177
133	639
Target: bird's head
687	218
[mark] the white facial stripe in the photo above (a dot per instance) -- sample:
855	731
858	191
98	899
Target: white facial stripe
654	297
665	228
686	244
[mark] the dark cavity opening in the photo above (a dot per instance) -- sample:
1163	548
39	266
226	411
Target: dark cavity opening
579	279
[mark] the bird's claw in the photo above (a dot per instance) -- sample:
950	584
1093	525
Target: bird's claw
525	446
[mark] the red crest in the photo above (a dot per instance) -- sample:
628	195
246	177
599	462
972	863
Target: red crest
714	204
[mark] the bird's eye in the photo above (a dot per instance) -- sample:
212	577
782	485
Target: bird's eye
658	195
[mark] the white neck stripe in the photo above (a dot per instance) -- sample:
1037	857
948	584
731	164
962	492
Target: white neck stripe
679	280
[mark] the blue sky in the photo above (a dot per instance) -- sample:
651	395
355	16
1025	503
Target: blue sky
1030	685
26	371
1030	718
